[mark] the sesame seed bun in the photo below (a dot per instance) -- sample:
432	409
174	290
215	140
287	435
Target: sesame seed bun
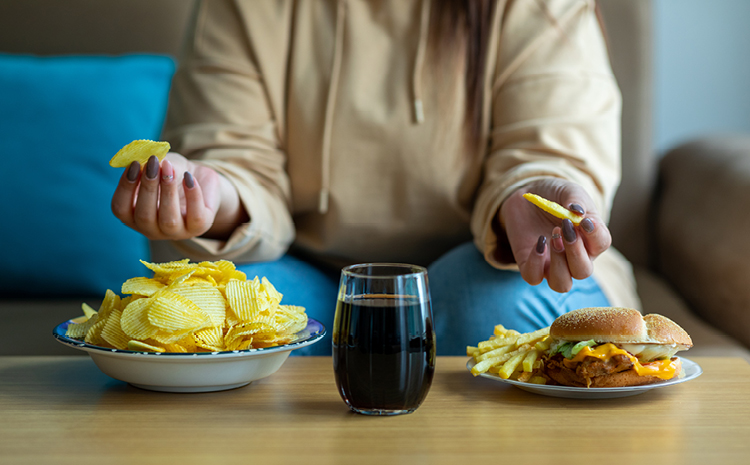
618	325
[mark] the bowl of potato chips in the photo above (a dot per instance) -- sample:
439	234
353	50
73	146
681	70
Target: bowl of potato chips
191	327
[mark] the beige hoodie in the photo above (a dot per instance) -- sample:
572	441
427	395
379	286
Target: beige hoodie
346	144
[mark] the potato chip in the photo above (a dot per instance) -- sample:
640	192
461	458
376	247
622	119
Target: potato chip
191	307
238	333
208	298
229	272
88	311
79	330
140	151
172	312
171	337
142	286
170	267
210	339
113	333
94	334
135	322
139	346
553	208
290	319
244	300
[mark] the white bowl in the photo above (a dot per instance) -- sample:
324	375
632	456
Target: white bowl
196	372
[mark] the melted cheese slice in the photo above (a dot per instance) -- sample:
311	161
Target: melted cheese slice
662	369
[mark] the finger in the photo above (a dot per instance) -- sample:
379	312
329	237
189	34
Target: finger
577	209
145	212
170	216
196	213
558	276
532	270
122	199
596	237
579	263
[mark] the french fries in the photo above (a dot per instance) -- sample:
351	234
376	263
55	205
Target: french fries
511	355
553	208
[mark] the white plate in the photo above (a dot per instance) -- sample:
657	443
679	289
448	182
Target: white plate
690	369
196	372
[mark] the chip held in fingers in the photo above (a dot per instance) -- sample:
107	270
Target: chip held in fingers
139	150
191	307
553	208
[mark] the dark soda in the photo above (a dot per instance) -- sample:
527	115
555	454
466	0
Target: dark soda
383	352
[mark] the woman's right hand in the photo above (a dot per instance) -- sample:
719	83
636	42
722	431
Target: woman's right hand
176	200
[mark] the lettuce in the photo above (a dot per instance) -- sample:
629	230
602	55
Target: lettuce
570	349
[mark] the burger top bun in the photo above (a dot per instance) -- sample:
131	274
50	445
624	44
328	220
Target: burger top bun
618	325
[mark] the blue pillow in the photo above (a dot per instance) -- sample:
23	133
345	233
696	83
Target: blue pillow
61	119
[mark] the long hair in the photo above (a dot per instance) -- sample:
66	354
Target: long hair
465	24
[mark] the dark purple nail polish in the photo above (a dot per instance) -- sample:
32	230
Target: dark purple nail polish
152	167
587	225
189	181
133	171
541	244
569	234
574	207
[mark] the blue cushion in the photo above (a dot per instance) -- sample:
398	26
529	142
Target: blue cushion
61	120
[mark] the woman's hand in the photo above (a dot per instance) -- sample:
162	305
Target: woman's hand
545	246
177	200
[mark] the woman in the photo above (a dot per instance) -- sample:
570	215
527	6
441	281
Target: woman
310	135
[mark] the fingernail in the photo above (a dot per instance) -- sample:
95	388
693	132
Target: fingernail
133	171
574	207
557	242
189	181
167	172
587	225
568	232
541	244
152	167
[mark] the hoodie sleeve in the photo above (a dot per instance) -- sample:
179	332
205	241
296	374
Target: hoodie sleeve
555	112
226	112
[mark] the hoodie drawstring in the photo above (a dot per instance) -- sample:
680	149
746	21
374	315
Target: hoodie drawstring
424	23
424	29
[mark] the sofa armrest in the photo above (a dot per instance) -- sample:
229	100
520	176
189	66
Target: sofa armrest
702	220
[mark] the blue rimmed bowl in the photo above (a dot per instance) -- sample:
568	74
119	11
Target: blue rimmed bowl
195	372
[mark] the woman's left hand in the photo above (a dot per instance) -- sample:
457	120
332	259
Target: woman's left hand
545	246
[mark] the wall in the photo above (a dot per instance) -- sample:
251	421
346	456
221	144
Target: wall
702	69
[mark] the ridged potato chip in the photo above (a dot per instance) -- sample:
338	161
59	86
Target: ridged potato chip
142	286
190	307
208	298
244	300
79	330
135	322
139	346
94	334
140	151
88	312
112	332
210	339
174	313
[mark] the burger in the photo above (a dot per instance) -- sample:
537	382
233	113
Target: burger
613	347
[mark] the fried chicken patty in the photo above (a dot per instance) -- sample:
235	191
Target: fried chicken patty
583	373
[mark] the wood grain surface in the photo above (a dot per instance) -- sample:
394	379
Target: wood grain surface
64	410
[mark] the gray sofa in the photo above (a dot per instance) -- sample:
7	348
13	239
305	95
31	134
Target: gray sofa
680	219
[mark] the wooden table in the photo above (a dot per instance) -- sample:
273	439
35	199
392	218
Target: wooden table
64	410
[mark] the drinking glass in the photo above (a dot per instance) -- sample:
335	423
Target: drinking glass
383	338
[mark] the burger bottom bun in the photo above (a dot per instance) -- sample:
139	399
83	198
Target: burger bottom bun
622	379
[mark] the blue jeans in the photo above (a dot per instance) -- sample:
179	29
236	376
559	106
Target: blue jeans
469	297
